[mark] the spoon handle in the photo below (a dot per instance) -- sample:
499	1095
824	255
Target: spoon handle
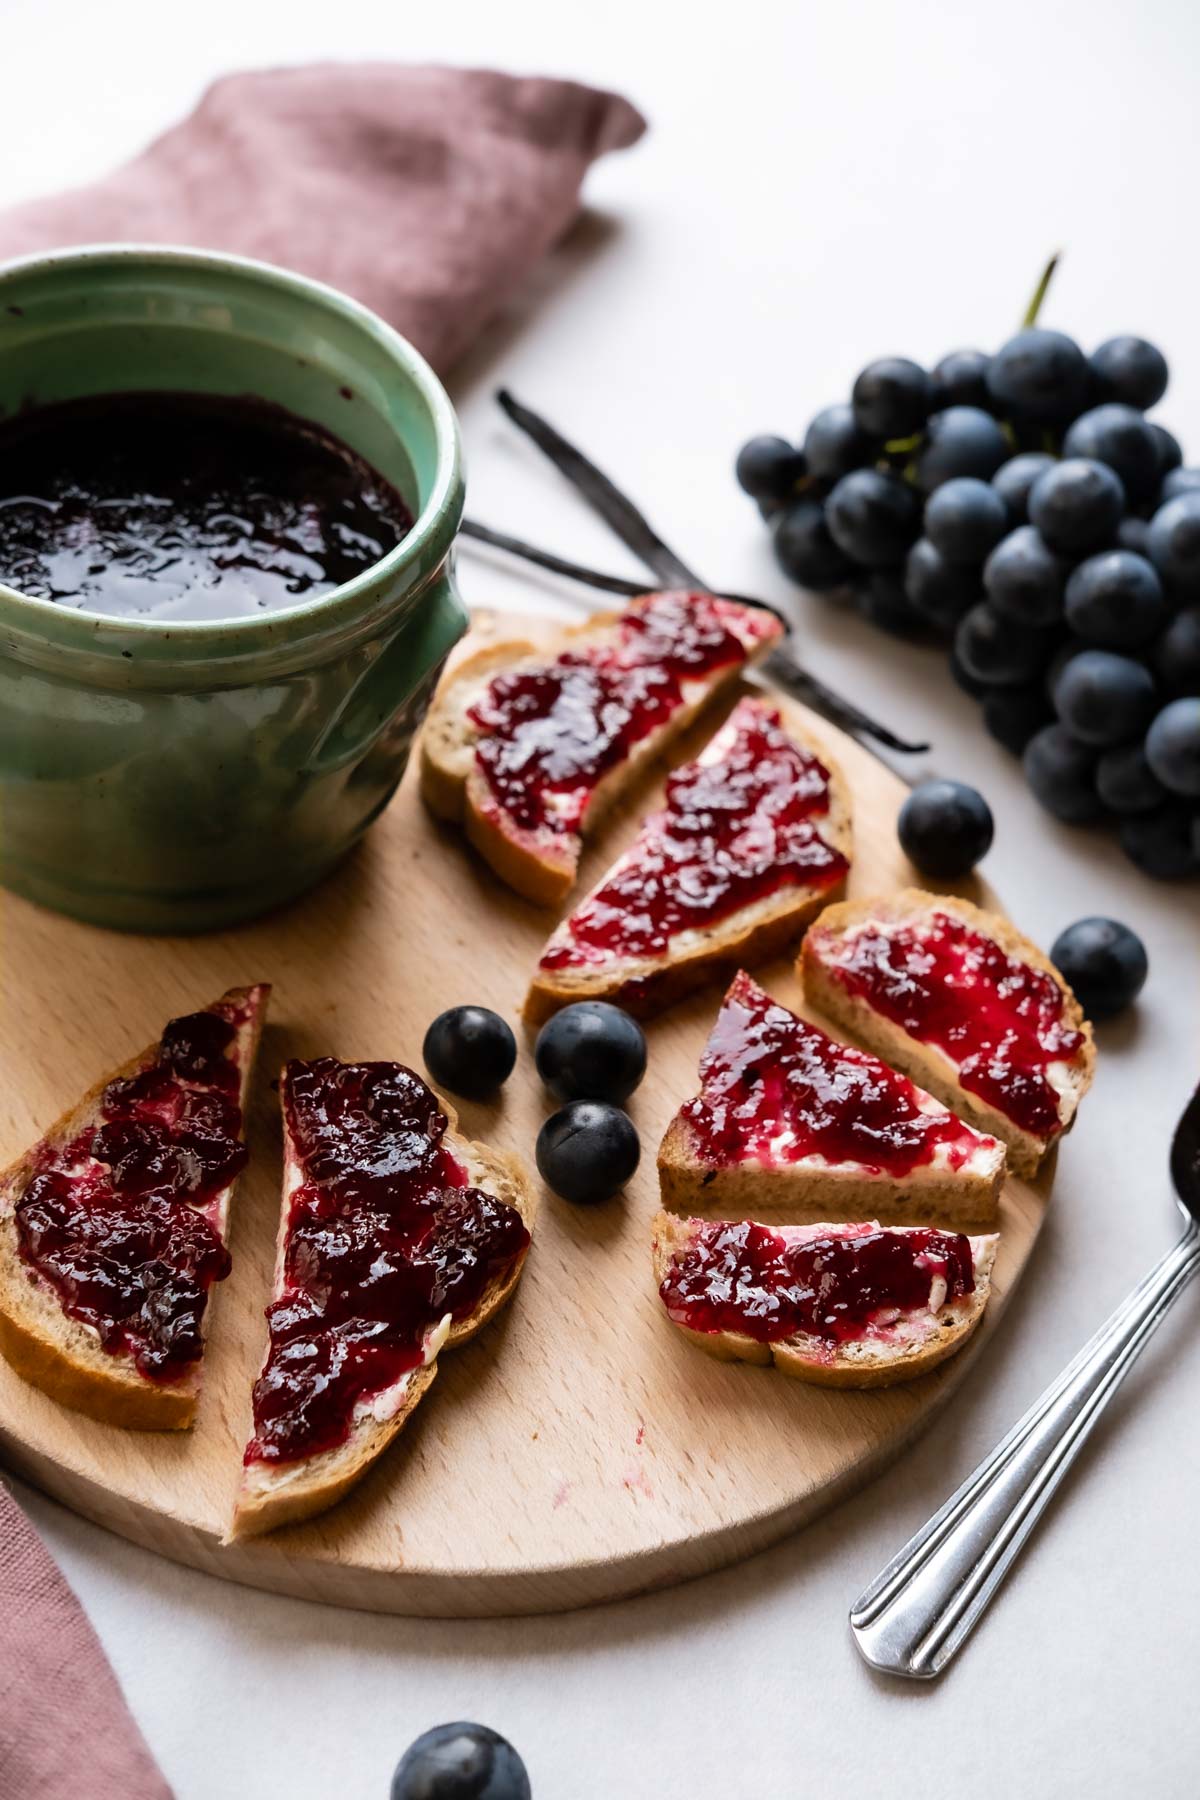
921	1609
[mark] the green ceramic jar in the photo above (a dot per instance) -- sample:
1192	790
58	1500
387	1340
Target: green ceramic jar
175	776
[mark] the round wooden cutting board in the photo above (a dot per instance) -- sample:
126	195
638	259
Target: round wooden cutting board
579	1450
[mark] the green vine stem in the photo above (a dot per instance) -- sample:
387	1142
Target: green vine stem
1039	292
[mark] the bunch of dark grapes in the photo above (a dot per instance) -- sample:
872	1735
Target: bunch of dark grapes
1022	508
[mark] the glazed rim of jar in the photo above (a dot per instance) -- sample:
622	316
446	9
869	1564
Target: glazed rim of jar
442	505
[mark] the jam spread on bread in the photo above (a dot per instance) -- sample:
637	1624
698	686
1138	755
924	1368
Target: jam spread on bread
384	1240
121	1220
774	1090
835	1283
185	506
548	733
1000	1020
739	825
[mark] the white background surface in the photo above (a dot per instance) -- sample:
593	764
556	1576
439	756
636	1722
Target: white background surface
823	183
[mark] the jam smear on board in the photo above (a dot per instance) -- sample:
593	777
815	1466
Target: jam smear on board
185	506
385	1238
1000	1020
118	1222
774	1090
549	732
834	1283
739	825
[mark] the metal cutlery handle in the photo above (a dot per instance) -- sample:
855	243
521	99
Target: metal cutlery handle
920	1610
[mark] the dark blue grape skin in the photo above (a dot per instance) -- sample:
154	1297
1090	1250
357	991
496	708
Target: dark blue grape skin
1173	747
940	592
1176	656
1130	370
587	1151
963	679
1024	580
1013	715
1068	649
1040	375
962	440
1077	505
1103	698
768	468
1120	438
1104	964
835	443
891	397
1170	450
1126	783
965	519
1163	843
1014	480
1134	534
1061	775
805	551
882	601
998	651
470	1050
1115	600
462	1761
1175	544
1178	481
591	1051
945	828
960	379
873	517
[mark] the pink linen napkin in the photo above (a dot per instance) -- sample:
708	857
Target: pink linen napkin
64	1725
427	193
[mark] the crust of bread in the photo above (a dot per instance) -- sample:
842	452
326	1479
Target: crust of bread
754	934
58	1354
540	865
276	1494
867	1364
925	1063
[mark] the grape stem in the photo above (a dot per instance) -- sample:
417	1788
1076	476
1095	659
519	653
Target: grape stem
1039	292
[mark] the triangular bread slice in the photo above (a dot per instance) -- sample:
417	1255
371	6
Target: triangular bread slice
788	1117
865	963
281	1489
51	1340
539	856
898	1343
763	809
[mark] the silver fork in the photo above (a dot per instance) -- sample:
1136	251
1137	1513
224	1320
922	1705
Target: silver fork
918	1613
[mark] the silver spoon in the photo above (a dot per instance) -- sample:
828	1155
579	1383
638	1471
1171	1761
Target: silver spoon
919	1612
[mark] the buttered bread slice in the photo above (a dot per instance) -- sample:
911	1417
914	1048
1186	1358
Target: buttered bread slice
959	1000
787	1117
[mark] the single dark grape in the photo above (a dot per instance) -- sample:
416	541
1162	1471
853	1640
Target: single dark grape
768	468
960	379
591	1050
1116	600
1120	438
1170	450
471	1050
1041	375
1126	783
1176	656
945	828
996	650
1013	714
1024	579
873	517
1176	482
463	1761
1077	505
882	601
835	443
805	551
1061	775
587	1151
1162	843
965	519
939	591
891	397
1103	962
962	440
1130	370
1104	699
1173	747
1175	544
1015	478
1134	534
